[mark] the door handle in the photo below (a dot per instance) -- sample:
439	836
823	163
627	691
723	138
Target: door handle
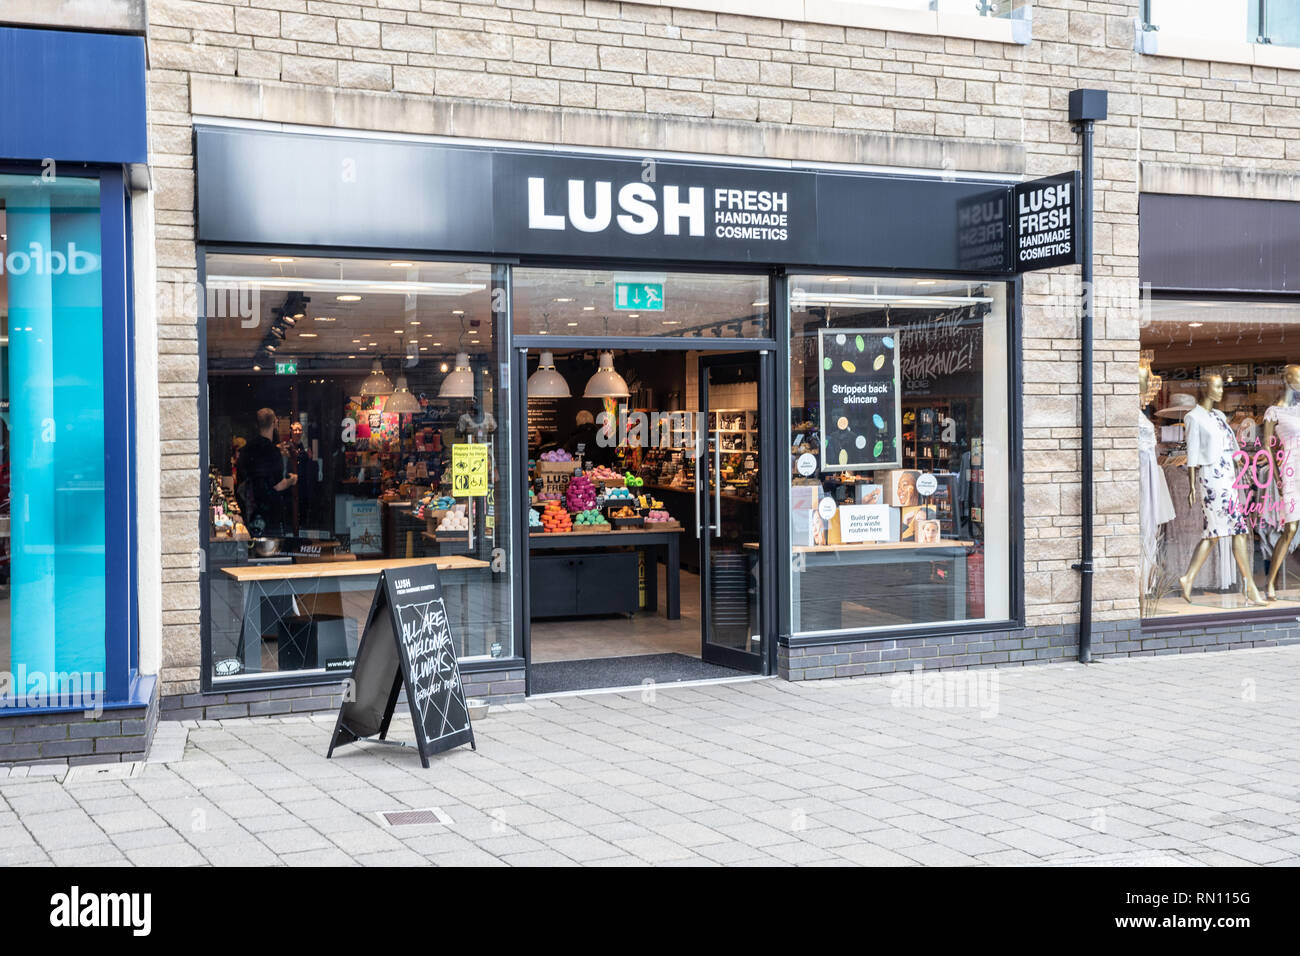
718	487
699	441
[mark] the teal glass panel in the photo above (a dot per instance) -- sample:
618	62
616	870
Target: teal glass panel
52	600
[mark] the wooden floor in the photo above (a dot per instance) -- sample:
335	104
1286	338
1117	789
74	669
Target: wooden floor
572	639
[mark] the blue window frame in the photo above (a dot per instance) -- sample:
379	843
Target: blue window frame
68	628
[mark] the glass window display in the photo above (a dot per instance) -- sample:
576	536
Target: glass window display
899	465
1218	440
344	398
52	452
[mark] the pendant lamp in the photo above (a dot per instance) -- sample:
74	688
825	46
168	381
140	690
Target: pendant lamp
606	383
459	383
376	382
546	382
402	402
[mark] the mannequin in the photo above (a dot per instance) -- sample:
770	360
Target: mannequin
1210	447
1283	419
1155	506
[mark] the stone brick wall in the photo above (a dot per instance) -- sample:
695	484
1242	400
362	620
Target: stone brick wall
1035	645
660	77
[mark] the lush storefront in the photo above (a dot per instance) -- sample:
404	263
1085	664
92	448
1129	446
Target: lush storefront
805	380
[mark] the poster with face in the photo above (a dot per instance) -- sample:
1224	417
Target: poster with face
860	412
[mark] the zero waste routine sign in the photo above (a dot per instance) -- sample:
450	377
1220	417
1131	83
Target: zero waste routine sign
860	413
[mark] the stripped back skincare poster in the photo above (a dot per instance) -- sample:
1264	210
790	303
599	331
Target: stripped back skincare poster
860	412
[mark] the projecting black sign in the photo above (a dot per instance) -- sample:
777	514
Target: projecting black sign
860	413
406	643
982	231
1045	223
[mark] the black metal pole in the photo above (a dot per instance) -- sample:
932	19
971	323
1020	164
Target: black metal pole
1085	438
1086	106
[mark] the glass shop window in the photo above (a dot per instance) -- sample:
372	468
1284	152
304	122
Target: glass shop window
1219	457
342	394
899	485
52	507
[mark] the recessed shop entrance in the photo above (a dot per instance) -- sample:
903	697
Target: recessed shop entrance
645	506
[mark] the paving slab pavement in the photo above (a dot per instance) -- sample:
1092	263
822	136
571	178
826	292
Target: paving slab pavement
1186	760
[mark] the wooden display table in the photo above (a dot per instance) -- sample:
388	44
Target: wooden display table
305	601
564	586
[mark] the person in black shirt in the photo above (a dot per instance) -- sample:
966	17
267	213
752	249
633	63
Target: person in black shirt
263	482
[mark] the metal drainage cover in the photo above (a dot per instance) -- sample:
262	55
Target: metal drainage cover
95	772
431	816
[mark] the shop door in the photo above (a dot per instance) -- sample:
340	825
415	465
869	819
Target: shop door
728	509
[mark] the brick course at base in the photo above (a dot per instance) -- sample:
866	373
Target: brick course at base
498	687
122	734
1032	645
220	705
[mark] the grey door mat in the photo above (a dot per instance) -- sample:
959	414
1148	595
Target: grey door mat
555	676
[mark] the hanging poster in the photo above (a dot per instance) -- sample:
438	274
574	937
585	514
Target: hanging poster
365	527
469	470
860	411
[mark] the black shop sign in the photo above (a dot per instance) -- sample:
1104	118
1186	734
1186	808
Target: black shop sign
1045	223
407	643
860	411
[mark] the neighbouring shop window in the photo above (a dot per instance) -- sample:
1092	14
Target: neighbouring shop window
619	303
52	515
899	453
356	421
1219	457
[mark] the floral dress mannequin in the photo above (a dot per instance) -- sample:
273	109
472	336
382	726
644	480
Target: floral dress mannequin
1211	444
1283	420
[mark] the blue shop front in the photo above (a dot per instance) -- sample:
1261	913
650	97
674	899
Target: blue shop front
72	125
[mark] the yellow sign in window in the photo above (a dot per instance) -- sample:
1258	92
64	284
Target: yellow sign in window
469	470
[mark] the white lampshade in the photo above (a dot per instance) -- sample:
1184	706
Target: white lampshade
546	382
459	383
606	383
376	382
402	402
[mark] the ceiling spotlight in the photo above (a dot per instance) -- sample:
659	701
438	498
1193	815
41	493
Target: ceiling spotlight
376	383
401	265
348	298
606	383
306	335
457	311
323	318
402	402
460	383
546	382
281	258
588	308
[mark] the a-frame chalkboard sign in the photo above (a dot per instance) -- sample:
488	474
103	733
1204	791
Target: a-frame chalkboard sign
406	643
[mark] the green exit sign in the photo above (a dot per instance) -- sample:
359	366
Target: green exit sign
639	296
286	368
